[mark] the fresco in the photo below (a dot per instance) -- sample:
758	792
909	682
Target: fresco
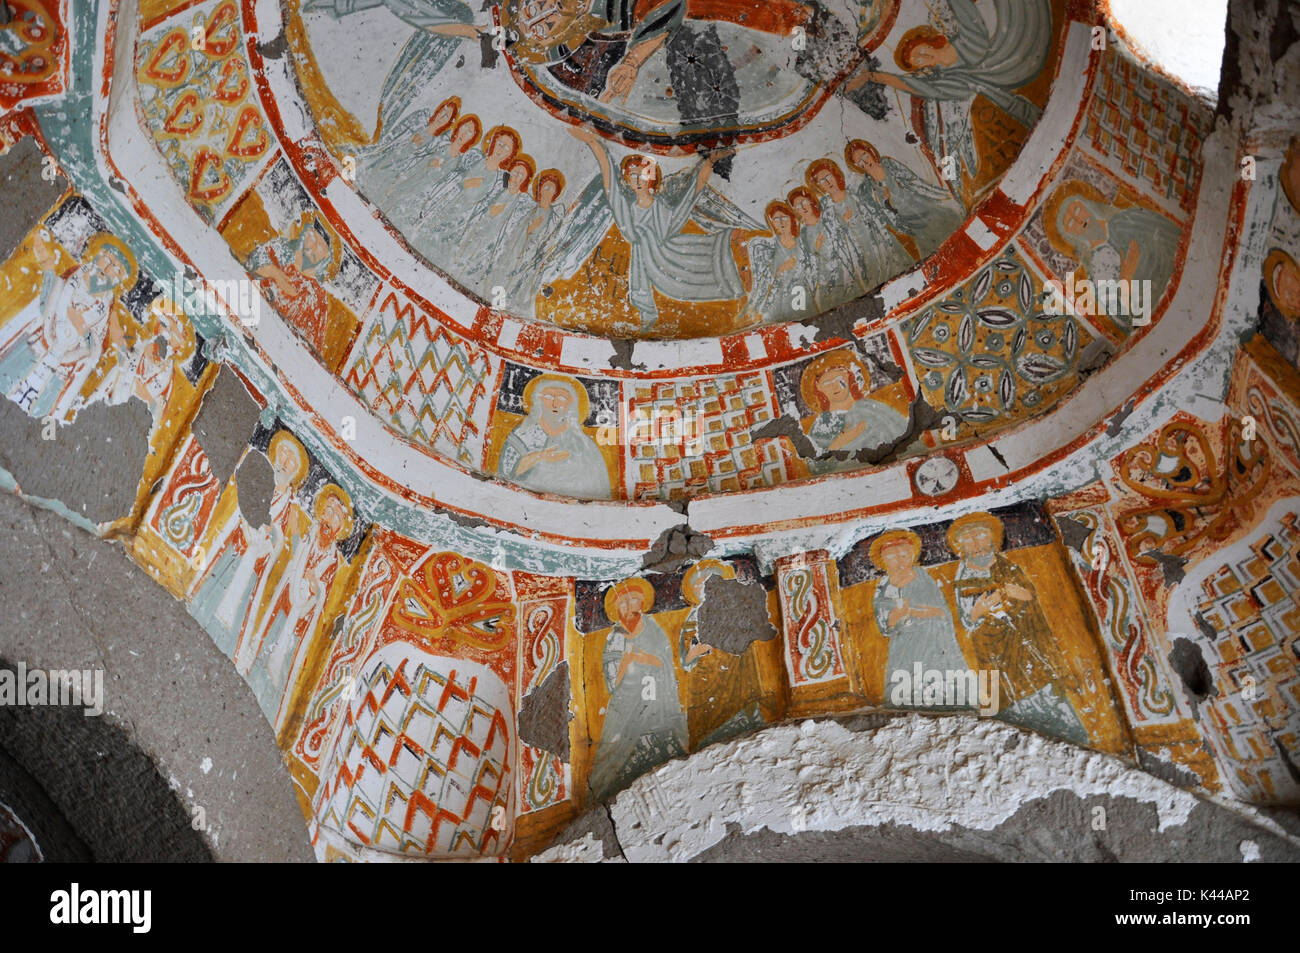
82	326
558	171
977	613
1280	279
657	685
808	510
263	585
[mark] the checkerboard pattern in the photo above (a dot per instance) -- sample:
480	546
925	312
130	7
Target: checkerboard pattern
1152	129
1254	607
690	437
426	384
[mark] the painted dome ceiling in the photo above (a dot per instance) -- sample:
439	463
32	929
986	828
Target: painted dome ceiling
475	221
464	341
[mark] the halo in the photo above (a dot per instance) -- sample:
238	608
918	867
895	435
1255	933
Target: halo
914	37
553	175
842	357
963	523
852	146
1075	188
818	165
473	120
777	205
635	584
455	104
1275	258
524	159
104	240
811	195
489	141
892	538
642	158
579	24
692	584
584	400
332	491
273	448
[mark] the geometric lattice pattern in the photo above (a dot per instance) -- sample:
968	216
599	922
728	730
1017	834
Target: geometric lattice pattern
423	763
687	437
422	381
1154	131
1254	608
989	355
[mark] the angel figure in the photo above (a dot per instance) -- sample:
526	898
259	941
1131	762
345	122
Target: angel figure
892	194
651	212
950	62
779	266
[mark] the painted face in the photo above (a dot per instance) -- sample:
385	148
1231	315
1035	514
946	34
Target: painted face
924	56
502	148
285	464
462	136
443	115
804	207
110	268
315	248
548	191
977	542
869	163
1286	287
641	174
833	384
1079	222
517	176
556	402
825	181
897	558
629	606
332	519
781	223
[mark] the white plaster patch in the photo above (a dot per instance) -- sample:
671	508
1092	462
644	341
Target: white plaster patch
929	774
588	850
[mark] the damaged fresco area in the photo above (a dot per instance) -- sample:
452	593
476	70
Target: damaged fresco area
475	402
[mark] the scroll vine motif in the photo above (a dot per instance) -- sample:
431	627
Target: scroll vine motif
1136	671
1192	496
813	635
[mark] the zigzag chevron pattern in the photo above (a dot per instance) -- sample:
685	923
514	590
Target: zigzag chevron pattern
423	762
425	383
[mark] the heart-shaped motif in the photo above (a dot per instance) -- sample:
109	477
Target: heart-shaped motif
170	63
457	581
233	83
205	187
186	116
250	138
222	34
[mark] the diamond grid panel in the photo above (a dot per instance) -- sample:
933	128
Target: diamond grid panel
423	762
426	383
